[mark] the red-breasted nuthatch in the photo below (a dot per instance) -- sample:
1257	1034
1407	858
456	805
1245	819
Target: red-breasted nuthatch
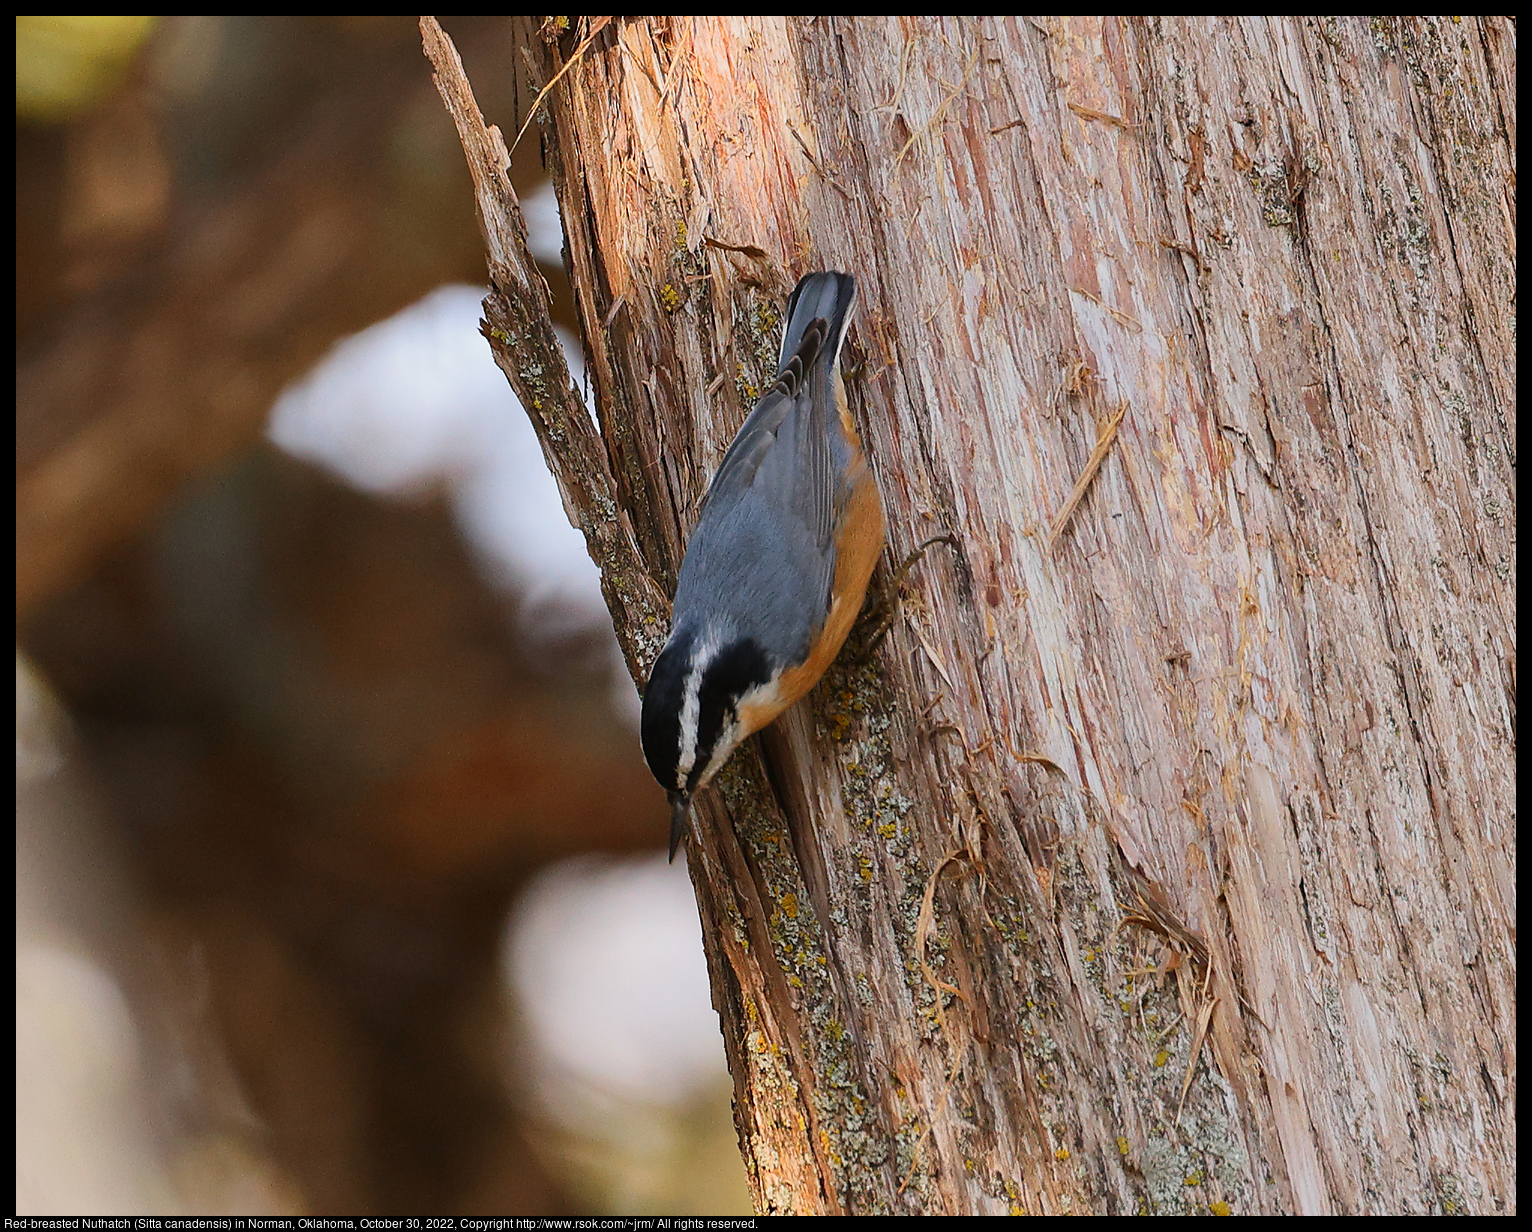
776	571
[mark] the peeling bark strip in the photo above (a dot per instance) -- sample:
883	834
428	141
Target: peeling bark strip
519	327
1265	684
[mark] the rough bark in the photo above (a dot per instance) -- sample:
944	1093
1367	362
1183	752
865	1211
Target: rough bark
1161	857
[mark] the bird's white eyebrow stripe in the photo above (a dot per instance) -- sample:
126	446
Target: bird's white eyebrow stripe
704	650
691	709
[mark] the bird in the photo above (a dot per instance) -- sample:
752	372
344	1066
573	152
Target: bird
777	568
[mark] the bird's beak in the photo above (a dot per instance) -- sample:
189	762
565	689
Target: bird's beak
680	801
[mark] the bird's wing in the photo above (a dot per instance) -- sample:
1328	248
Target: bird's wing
783	452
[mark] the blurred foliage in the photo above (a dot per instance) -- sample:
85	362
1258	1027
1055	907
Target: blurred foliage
65	65
647	1159
310	766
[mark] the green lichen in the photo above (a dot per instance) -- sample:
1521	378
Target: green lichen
849	1134
1449	1195
756	338
1382	31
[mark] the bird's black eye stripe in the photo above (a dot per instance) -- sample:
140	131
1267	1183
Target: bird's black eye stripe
738	668
660	729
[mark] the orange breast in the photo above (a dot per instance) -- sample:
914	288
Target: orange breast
859	535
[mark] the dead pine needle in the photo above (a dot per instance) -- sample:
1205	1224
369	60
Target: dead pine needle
1184	249
940	108
904	66
1031	758
1122	318
749	250
1092	465
1204	1019
611	313
597	26
923	925
1090	113
914	1159
926	1133
815	163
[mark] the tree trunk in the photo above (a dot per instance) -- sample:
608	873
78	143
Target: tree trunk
1161	858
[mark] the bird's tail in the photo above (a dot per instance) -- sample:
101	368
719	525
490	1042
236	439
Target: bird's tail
827	294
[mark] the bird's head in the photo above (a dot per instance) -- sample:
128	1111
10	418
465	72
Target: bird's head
691	717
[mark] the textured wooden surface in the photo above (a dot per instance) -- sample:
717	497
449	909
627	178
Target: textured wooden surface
1167	867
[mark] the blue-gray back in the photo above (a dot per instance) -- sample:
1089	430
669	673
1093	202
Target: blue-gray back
762	558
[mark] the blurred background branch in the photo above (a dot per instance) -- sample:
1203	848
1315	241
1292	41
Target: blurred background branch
249	191
307	697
